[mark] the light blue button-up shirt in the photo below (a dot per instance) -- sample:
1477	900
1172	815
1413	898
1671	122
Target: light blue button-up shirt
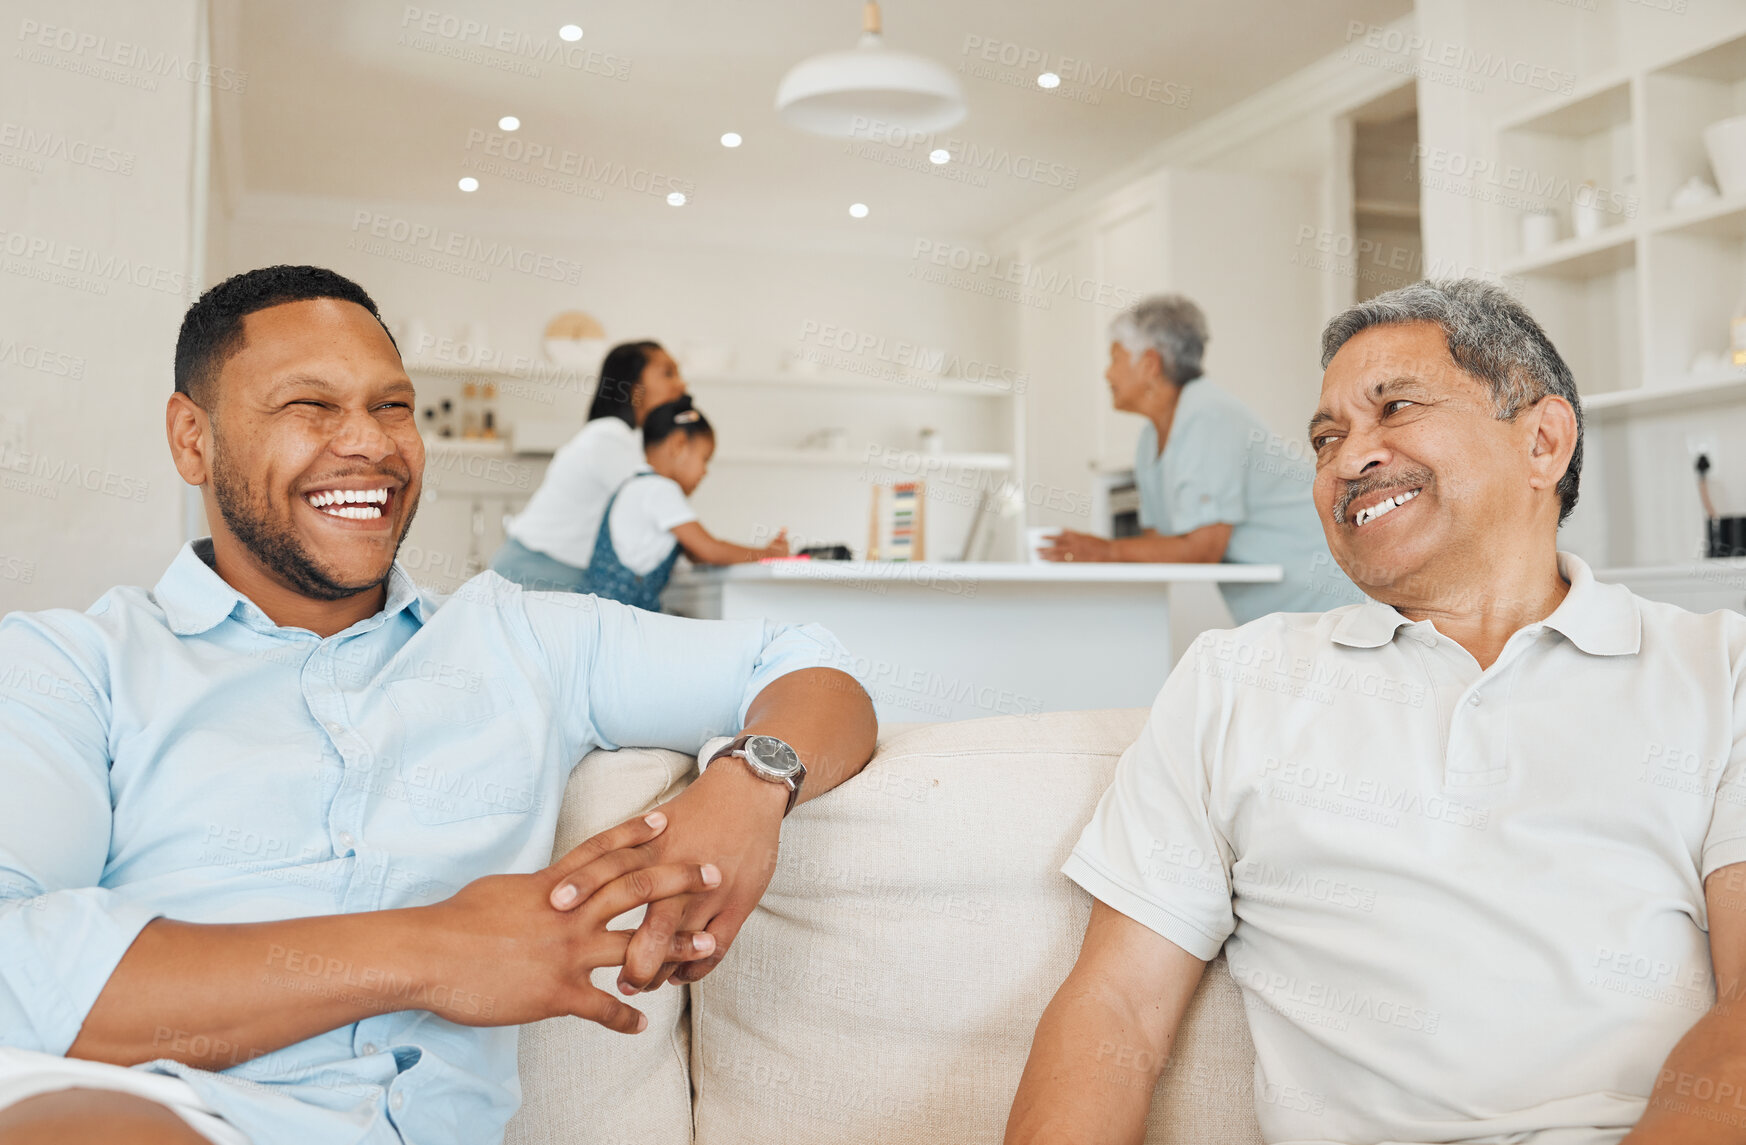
1223	466
176	754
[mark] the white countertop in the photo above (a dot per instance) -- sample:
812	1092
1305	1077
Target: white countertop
898	572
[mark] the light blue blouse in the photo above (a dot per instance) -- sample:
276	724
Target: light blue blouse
1223	466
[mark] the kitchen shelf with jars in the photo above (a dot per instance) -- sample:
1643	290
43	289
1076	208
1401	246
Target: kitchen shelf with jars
801	443
1627	237
1625	234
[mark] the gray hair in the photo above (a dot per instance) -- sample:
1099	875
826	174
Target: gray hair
1169	324
1491	336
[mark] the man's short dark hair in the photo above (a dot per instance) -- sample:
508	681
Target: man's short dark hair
212	330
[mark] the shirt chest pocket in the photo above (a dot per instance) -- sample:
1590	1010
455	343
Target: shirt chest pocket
465	751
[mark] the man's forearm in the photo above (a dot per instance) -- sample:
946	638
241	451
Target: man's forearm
1700	1092
826	717
1090	1075
217	996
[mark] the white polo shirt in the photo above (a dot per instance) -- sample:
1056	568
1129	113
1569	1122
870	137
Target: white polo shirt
1460	904
563	516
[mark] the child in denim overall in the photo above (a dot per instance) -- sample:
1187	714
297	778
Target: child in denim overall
647	520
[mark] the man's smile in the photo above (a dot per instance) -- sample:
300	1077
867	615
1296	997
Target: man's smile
1383	506
352	503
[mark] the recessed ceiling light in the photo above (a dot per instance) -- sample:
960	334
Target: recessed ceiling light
939	155
509	123
571	32
1049	79
676	199
731	139
468	183
857	210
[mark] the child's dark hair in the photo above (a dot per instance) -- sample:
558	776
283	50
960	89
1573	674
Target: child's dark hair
677	416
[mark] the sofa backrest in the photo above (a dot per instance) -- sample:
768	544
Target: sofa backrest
888	985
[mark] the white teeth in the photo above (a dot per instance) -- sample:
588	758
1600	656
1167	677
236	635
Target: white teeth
354	512
1365	516
362	497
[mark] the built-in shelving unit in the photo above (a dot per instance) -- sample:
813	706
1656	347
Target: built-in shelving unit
1635	304
1640	303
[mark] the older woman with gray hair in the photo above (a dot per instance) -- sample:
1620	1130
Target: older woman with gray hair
1215	483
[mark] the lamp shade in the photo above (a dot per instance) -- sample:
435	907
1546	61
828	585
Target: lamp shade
838	93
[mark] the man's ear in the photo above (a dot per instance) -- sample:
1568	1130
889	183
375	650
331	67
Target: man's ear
1552	423
189	430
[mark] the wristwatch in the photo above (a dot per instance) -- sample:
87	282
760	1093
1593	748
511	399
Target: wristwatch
769	758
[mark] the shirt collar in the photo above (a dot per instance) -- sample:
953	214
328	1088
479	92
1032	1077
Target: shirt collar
196	599
1601	619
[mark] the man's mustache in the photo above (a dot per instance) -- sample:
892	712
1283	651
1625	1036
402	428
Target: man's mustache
1412	477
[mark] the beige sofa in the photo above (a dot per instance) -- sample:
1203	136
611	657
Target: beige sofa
887	987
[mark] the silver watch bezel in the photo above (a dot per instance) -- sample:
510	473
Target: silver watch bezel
782	774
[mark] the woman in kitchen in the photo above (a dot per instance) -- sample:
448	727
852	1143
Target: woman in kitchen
552	539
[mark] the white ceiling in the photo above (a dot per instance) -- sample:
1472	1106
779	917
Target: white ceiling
344	101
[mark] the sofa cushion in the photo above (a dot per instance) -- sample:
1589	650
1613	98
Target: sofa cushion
887	988
581	1082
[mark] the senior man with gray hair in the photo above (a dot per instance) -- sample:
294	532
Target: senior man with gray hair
1474	849
1215	483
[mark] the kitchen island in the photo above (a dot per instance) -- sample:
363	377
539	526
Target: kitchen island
951	641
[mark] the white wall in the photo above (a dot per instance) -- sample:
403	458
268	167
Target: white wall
764	300
96	229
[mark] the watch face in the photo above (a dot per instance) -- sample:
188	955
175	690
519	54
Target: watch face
773	755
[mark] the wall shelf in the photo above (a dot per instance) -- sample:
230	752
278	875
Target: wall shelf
1723	218
927	462
1664	399
1605	253
919	385
1384	209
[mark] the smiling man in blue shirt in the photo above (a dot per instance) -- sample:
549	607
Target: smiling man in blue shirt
276	833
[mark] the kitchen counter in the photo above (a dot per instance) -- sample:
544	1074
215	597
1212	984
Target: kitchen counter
898	572
951	641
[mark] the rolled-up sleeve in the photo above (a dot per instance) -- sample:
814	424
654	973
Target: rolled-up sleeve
1725	842
629	677
61	933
